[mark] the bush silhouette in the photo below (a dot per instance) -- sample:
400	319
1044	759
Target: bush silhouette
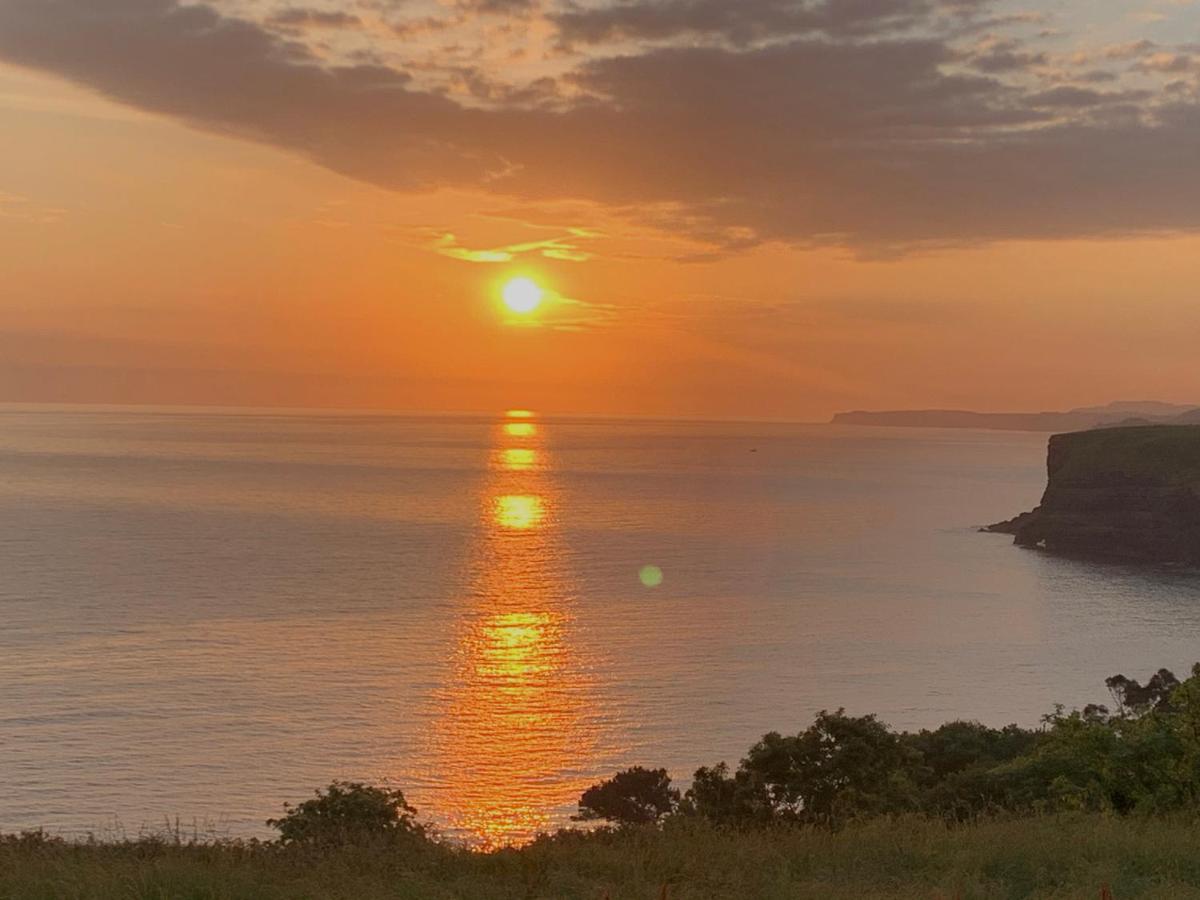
636	796
348	812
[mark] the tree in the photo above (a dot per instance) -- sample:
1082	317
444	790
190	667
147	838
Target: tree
725	799
635	796
840	767
1134	698
956	774
347	812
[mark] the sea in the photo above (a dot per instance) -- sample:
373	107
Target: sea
206	614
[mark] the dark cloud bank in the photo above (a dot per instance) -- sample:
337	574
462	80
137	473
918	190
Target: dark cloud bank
849	128
740	21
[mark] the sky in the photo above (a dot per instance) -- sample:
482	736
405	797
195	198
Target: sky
753	209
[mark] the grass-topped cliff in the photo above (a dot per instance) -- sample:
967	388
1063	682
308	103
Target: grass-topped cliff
1161	454
1119	493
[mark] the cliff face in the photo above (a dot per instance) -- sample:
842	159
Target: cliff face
1119	493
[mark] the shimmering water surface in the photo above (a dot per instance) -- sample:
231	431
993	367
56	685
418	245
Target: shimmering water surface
205	615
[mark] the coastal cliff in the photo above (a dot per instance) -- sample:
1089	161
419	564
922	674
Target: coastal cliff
1121	412
1118	493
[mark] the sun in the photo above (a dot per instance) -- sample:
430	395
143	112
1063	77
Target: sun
522	295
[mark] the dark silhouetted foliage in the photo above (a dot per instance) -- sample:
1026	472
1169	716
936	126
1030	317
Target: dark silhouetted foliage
635	796
957	759
1133	697
347	812
1144	757
840	768
726	799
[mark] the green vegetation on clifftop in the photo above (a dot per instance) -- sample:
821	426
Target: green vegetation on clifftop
1169	454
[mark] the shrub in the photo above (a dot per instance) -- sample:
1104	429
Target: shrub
840	768
636	796
348	812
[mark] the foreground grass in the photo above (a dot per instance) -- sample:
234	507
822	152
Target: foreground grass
1046	857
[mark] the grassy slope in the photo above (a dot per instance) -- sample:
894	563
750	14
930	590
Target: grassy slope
1050	857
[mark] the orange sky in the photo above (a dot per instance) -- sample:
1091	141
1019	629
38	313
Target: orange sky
150	255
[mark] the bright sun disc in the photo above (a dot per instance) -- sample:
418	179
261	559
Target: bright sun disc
522	295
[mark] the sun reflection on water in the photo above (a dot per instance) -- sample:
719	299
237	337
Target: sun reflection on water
518	459
518	720
519	511
520	429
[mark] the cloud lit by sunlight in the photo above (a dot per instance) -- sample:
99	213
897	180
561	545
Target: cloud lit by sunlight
561	248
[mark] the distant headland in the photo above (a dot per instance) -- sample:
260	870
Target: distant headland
1129	494
1123	413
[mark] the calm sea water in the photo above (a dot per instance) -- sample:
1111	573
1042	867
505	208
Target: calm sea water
206	615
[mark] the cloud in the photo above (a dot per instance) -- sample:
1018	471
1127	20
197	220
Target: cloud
748	20
299	17
1166	62
881	144
22	209
498	7
1129	49
1070	96
559	248
999	55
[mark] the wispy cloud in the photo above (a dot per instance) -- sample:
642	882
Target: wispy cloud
304	17
560	248
22	209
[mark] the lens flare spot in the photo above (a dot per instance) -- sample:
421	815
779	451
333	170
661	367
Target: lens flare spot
650	576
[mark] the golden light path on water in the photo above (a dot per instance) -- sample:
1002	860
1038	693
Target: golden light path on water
518	459
522	430
516	722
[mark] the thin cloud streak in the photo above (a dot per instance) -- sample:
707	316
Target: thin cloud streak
560	248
